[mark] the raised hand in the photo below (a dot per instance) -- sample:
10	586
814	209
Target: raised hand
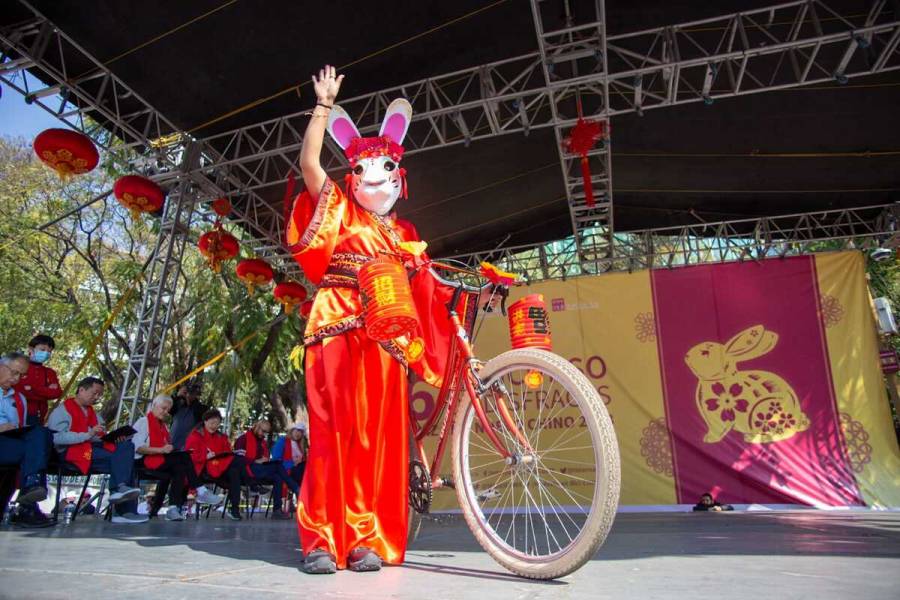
327	84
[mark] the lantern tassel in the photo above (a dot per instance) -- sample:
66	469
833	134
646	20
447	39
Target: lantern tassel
250	288
586	180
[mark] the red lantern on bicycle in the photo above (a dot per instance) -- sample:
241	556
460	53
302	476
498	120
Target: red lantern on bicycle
387	300
529	327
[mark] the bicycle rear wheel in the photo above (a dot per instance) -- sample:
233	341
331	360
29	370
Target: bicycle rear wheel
543	513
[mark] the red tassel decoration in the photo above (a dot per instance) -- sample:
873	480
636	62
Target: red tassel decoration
404	191
581	140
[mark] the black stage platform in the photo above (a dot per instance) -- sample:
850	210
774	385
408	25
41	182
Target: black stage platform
757	555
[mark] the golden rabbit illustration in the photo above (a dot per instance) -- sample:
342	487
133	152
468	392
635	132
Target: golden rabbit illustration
759	404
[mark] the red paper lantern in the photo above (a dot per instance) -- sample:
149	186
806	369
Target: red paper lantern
221	206
218	246
388	304
138	194
253	272
305	309
581	140
290	294
67	152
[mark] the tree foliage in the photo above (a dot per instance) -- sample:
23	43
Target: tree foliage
65	280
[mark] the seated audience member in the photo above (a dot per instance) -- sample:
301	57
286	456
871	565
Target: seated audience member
40	384
260	467
204	443
187	411
707	504
78	440
154	450
29	451
291	450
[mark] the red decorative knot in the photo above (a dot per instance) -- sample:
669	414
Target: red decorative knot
138	194
65	151
218	246
582	138
253	272
370	147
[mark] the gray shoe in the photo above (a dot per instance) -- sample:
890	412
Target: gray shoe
130	518
174	514
207	497
124	493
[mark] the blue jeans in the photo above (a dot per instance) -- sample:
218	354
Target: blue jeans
276	474
119	464
30	452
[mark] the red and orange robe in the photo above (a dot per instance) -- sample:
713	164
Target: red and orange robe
354	493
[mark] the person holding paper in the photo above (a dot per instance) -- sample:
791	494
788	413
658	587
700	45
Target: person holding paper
252	444
79	439
29	449
212	456
153	448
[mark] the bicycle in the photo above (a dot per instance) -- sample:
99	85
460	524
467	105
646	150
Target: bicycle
506	452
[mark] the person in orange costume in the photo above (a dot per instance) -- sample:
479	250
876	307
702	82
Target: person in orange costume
352	511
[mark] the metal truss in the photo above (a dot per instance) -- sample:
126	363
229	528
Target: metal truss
155	312
87	97
703	243
781	46
566	55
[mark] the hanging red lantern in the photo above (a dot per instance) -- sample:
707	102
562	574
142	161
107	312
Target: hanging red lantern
138	194
67	152
305	309
222	206
290	294
253	272
218	246
581	140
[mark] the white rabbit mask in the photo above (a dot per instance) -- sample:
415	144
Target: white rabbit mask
376	179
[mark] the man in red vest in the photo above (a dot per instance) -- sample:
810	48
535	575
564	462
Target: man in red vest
39	385
78	440
26	449
252	444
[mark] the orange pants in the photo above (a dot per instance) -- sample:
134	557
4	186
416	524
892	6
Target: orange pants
354	492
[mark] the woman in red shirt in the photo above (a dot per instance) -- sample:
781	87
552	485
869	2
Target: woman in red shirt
213	459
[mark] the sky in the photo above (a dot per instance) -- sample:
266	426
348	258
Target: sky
20	119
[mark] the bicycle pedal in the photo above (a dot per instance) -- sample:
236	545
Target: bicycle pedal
448	482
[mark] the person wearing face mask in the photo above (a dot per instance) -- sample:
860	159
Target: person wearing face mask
29	451
39	385
352	510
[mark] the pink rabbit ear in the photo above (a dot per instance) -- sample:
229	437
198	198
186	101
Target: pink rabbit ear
396	120
341	127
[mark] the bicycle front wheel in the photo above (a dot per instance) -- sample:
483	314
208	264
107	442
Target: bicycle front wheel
543	512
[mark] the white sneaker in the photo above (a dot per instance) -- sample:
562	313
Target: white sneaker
174	514
124	493
130	518
207	497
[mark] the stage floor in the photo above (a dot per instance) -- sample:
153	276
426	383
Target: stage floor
759	556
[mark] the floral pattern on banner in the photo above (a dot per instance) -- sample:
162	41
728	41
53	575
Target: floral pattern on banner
832	310
645	327
859	450
655	447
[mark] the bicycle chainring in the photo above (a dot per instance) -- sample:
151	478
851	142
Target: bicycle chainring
420	492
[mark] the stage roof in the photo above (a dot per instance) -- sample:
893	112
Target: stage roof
670	166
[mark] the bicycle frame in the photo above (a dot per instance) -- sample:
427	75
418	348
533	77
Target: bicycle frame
462	367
